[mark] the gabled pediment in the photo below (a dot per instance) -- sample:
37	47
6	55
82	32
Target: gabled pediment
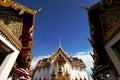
60	54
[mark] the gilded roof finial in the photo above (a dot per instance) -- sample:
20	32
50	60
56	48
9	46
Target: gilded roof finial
38	10
60	46
84	7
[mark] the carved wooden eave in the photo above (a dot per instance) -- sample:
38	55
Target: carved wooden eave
17	6
11	37
97	5
101	4
84	7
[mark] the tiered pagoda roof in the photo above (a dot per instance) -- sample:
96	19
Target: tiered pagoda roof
58	55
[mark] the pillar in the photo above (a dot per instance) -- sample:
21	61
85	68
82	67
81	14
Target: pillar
9	61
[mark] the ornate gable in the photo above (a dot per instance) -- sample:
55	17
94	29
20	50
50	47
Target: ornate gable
60	54
60	66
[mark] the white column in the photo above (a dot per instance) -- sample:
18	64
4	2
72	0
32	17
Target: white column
7	65
9	61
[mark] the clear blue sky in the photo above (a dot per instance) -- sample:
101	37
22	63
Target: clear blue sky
60	19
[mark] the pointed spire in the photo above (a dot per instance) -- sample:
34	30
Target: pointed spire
60	45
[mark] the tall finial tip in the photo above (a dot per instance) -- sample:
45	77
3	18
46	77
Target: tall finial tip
38	10
84	7
60	42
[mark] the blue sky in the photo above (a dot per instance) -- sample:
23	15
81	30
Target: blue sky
61	20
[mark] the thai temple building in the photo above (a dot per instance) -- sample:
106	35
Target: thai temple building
16	32
104	21
60	66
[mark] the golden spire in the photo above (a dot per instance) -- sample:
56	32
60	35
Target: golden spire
60	46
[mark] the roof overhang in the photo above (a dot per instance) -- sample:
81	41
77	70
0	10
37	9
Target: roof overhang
16	6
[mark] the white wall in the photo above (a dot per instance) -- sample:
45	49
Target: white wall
9	61
75	72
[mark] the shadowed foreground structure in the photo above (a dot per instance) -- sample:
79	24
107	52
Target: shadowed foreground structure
104	20
16	32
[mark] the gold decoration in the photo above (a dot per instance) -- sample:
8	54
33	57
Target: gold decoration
110	21
6	3
12	22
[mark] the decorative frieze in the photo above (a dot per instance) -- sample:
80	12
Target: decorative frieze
12	23
110	19
9	37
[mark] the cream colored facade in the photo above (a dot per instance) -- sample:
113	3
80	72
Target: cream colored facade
60	66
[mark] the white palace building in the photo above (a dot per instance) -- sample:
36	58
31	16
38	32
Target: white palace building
60	66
